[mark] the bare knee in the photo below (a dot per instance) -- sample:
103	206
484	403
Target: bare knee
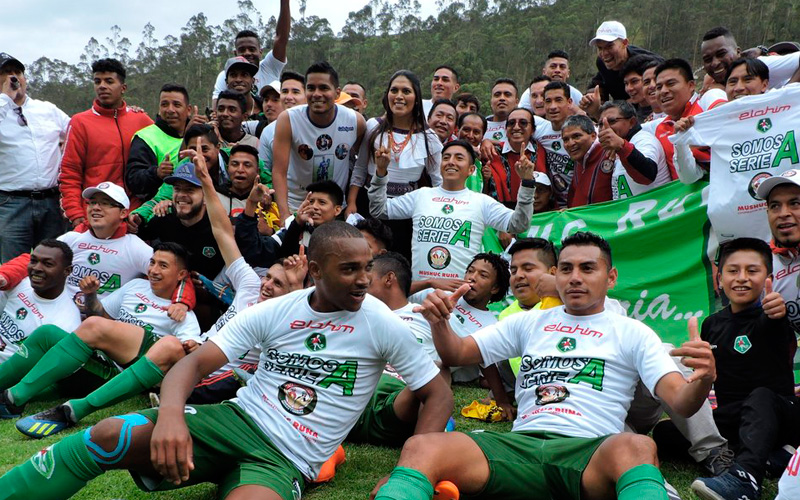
121	442
166	352
105	433
93	331
628	450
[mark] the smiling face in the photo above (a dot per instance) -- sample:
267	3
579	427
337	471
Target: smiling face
621	126
357	92
271	105
47	271
718	54
229	115
239	80
401	97
322	208
674	92
249	48
650	89
519	128
526	269
444	84
187	200
472	130
456	167
634	87
583	279
537	98
292	94
557	106
557	69
742	276
741	84
109	89
173	109
443	121
104	215
243	170
164	273
613	54
209	151
783	215
321	94
504	99
342	275
274	283
482	279
577	142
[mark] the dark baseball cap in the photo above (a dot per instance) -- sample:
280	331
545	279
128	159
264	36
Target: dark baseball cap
183	172
9	59
243	63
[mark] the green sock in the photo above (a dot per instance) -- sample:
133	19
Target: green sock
642	481
406	484
30	351
64	359
138	377
56	472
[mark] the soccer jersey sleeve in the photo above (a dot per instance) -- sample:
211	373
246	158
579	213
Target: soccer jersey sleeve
112	302
248	328
272	67
188	329
651	360
502	340
399	348
242	275
495	213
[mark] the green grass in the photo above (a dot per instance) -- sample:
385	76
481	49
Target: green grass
354	480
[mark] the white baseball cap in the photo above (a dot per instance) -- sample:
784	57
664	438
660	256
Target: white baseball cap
767	185
111	190
608	32
541	178
273	85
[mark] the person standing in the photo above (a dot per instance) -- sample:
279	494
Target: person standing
30	133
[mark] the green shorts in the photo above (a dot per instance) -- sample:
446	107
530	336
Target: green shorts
379	425
231	450
101	365
523	462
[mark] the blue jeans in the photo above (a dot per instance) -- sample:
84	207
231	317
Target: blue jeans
24	222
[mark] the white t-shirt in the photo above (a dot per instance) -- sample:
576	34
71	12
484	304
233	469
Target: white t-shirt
265	143
785	281
319	153
114	261
623	185
318	371
448	227
781	68
789	485
269	70
23	311
247	285
135	303
578	373
495	130
560	167
420	327
525	100
409	164
751	139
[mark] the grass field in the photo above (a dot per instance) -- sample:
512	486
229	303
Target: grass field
354	480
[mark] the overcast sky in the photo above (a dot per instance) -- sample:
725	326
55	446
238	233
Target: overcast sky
60	30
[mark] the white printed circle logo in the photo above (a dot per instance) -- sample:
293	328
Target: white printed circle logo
447	209
756	181
606	166
21	313
550	393
297	399
439	258
556	145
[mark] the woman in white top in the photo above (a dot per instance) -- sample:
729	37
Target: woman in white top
416	151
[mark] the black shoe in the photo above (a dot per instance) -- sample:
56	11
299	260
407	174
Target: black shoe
9	409
718	461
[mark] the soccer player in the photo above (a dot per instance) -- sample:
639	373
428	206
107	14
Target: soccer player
231	109
280	430
560	166
293	93
449	221
123	327
555	69
560	390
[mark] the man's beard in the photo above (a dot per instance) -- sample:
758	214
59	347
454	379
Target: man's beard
191	214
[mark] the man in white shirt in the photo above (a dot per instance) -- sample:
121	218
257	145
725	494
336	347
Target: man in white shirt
580	364
444	85
323	351
293	93
123	327
248	45
30	136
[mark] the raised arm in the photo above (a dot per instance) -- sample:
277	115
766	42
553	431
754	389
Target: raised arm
280	165
282	31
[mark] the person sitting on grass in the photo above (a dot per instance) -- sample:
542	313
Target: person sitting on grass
573	391
280	430
754	347
123	327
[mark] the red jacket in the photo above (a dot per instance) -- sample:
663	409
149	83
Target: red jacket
96	150
591	182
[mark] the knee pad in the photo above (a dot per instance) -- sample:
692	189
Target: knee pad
102	456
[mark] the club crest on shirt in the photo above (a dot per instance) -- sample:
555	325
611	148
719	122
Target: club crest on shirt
297	399
566	344
764	125
497	136
21	313
209	252
316	342
447	209
742	344
439	257
550	393
140	308
556	145
94	258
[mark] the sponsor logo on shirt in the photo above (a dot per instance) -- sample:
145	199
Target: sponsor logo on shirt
318	371
551	393
11	331
446	199
741	344
92	246
297	399
31	305
316	342
444	230
439	258
566	344
556	369
577	329
345	128
21	313
318	325
764	152
94	258
769	110
209	252
149	302
468	315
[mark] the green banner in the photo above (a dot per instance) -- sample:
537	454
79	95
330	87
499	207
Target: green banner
658	242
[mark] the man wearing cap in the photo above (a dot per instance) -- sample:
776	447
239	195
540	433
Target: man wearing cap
230	117
271	100
719	49
239	77
613	49
187	223
154	149
30	133
292	93
247	45
358	91
98	139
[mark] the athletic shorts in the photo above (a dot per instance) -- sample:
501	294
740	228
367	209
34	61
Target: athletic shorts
219	388
229	449
378	424
523	462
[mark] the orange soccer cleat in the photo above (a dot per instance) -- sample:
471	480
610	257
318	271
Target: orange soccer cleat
445	490
328	469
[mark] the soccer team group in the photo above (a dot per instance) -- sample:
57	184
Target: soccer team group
282	275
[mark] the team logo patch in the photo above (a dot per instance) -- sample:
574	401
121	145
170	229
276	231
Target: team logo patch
140	308
297	399
103	185
316	342
305	152
546	394
460	318
764	124
789	173
94	258
21	313
756	181
324	142
439	258
497	136
44	462
209	252
556	145
606	166
341	151
566	344
742	344
22	351
447	209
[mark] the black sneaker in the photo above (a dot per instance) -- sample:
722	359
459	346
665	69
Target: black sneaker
45	423
9	409
736	484
718	461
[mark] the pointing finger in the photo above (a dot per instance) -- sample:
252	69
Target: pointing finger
694	332
455	296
